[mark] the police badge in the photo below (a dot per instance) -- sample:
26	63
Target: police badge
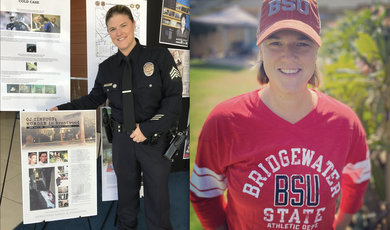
148	69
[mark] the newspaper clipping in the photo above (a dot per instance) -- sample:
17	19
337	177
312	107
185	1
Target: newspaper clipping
35	54
100	46
175	22
58	154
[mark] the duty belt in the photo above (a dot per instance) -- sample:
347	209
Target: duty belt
117	126
149	141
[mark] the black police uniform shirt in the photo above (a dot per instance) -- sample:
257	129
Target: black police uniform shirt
157	89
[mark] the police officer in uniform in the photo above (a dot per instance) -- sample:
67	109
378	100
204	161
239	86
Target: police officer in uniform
11	24
157	91
17	25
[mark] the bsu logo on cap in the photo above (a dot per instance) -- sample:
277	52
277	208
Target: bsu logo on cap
299	15
302	6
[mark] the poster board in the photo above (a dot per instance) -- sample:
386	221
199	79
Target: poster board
182	60
99	45
58	159
109	183
175	23
35	54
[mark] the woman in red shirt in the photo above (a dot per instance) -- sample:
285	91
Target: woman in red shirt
285	152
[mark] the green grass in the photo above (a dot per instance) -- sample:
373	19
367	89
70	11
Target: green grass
211	85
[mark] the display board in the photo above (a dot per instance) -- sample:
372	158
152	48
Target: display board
35	54
58	158
155	12
99	44
175	22
182	60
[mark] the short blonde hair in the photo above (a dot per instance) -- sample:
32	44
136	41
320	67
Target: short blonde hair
263	78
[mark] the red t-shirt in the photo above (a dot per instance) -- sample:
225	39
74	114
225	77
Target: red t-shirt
278	175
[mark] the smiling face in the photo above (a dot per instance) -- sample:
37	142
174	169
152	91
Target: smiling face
289	60
43	157
183	22
121	30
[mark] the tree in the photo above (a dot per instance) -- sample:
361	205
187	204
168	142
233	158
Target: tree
356	61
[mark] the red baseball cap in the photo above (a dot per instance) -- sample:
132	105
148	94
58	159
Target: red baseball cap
299	15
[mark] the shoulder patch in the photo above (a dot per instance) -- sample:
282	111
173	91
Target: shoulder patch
174	73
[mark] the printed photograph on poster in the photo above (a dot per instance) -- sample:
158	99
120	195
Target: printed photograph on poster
99	45
31	48
40	89
46	23
42	158
62	183
19	21
32	158
109	184
58	130
31	66
62	178
35	55
15	21
175	22
182	60
42	188
58	154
